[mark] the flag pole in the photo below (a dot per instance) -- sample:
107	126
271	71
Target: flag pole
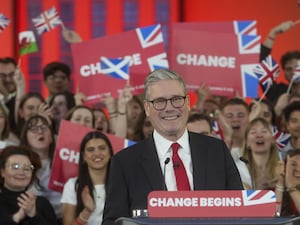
19	62
290	86
296	22
264	94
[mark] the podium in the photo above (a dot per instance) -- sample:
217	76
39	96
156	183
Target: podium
208	221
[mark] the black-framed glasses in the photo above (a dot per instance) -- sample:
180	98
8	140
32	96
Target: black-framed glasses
35	129
161	103
17	166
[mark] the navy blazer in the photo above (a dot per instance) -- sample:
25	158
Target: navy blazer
136	171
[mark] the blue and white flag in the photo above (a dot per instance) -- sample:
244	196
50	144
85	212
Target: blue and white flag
116	67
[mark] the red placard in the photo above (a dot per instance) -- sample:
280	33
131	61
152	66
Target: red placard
221	55
143	46
66	157
189	204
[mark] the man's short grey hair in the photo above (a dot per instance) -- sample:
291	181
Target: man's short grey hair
162	74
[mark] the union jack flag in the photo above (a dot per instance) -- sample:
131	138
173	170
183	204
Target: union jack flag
117	67
218	133
4	21
245	27
281	138
256	197
158	61
267	71
296	76
149	36
47	21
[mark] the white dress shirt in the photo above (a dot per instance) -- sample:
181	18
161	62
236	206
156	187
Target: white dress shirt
164	151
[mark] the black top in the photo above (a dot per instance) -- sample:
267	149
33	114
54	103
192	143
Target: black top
8	207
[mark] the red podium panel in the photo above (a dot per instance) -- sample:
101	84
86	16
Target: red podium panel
197	204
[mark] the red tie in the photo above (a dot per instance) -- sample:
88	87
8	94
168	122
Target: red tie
182	180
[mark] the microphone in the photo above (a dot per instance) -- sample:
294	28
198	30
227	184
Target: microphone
166	162
243	159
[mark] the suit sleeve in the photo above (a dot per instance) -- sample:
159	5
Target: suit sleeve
117	202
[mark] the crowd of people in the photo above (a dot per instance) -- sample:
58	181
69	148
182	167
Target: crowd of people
241	154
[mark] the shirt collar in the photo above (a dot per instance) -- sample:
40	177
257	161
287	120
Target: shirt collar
165	144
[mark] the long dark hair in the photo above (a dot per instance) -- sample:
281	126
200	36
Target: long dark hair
84	178
32	121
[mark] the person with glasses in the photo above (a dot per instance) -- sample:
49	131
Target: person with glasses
18	167
57	77
153	163
39	136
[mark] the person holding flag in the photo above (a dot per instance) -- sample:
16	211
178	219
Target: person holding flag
288	60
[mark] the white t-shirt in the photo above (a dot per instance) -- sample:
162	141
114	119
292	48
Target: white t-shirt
69	197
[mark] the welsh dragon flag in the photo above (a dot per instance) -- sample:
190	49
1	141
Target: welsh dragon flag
27	42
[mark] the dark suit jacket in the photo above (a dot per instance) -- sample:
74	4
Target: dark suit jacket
136	171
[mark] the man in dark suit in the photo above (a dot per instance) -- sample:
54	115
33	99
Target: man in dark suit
146	166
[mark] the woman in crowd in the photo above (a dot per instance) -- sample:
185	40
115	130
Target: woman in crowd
82	115
38	135
31	104
260	156
147	127
60	104
83	196
17	205
6	137
101	121
135	118
288	185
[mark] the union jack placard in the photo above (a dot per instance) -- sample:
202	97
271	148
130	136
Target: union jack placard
256	197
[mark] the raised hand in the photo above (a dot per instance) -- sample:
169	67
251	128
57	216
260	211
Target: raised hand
71	36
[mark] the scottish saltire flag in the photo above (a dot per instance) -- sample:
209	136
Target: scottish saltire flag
149	36
256	197
281	138
27	42
116	67
47	21
4	21
218	133
245	27
267	71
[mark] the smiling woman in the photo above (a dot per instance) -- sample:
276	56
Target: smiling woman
83	196
18	205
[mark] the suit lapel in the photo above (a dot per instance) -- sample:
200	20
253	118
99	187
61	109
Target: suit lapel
198	155
151	166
